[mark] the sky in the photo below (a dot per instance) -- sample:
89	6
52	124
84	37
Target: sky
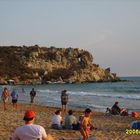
108	29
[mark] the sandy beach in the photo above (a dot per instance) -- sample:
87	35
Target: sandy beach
108	127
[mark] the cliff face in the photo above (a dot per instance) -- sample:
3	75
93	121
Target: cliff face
41	64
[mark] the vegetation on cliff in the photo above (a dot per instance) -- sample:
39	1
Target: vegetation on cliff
44	65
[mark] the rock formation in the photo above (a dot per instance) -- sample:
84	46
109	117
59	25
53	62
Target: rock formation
48	65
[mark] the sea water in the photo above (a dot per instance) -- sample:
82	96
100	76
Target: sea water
97	96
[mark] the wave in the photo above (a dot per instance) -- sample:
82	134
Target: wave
109	95
97	94
47	91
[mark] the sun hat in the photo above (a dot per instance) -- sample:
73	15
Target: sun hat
29	115
135	114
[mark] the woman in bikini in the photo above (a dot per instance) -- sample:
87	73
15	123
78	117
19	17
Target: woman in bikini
5	97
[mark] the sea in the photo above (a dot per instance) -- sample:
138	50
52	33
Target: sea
97	96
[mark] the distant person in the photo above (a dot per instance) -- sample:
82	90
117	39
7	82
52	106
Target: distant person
79	122
23	91
108	111
5	97
116	110
64	100
30	131
14	96
32	95
86	125
70	121
57	120
135	125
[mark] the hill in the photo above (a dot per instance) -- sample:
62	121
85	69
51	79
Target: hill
34	64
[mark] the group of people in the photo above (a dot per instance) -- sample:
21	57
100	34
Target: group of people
37	132
83	124
70	120
31	131
14	95
5	97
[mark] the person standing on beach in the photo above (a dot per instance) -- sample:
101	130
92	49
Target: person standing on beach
86	125
5	97
32	95
14	96
64	100
30	131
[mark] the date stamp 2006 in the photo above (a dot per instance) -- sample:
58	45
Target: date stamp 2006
132	131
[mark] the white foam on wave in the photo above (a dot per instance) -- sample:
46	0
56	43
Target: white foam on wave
98	94
110	95
47	91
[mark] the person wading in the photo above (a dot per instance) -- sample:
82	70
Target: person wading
64	100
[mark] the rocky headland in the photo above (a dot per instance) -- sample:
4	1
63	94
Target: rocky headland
34	64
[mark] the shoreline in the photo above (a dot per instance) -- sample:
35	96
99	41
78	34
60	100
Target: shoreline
108	127
39	83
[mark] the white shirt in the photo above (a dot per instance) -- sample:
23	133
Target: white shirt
56	119
29	132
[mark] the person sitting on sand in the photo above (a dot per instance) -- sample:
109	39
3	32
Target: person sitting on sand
135	125
70	121
14	96
116	110
86	125
30	131
64	100
5	97
108	111
32	95
57	120
79	122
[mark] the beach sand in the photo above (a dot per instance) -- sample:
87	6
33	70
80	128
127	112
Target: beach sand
108	127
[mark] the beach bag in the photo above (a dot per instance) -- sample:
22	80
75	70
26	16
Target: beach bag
135	114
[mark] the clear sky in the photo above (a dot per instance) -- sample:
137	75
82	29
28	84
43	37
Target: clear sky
109	29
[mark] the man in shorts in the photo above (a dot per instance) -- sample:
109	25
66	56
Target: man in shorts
32	95
64	100
14	96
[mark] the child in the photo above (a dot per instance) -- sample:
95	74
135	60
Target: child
85	124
